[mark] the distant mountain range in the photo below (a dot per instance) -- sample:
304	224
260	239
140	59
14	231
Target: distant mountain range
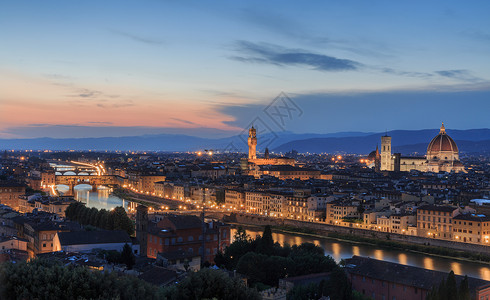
404	141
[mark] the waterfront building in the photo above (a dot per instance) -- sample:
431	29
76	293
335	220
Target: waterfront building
256	201
471	228
234	199
275	205
436	221
338	211
144	183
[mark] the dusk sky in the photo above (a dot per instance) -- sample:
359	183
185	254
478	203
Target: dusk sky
209	68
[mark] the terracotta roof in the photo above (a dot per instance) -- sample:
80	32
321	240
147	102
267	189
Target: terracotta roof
442	142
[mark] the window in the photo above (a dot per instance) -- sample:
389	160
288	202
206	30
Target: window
190	238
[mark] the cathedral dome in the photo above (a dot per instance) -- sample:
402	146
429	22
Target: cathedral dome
442	144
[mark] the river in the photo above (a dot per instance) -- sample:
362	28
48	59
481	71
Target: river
345	249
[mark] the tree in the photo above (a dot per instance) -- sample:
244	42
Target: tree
121	221
213	284
266	245
127	256
451	287
464	290
101	218
241	235
43	279
92	220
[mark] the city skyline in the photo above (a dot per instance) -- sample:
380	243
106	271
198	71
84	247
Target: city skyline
111	69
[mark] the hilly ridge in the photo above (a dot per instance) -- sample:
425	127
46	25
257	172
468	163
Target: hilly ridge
404	141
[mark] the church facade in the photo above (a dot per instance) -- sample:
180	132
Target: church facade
442	156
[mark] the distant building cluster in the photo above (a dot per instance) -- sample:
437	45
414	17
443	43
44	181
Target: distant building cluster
442	156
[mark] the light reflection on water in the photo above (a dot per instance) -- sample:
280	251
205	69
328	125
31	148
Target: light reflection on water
99	199
341	250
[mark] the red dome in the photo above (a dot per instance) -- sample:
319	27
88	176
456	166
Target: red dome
442	142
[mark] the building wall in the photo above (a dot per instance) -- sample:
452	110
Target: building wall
234	199
435	224
9	195
385	290
14	243
189	240
474	232
386	160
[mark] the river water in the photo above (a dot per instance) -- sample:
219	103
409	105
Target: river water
344	249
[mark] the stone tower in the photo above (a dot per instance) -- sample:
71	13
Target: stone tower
142	228
386	164
252	143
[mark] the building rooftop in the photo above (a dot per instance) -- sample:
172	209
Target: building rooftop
442	208
402	274
473	217
93	237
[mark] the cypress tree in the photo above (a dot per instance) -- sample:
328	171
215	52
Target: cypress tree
127	256
464	290
451	287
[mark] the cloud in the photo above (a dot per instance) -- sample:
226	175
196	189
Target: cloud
272	54
86	93
183	121
463	75
103	104
406	73
138	38
100	122
289	27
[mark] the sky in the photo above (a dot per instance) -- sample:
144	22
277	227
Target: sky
212	68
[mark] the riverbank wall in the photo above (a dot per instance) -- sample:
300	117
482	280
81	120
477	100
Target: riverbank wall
326	229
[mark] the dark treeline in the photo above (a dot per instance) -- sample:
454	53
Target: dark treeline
448	289
265	262
115	219
43	280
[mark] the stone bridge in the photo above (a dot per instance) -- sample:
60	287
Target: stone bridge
94	180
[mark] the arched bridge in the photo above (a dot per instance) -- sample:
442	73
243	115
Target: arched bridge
94	180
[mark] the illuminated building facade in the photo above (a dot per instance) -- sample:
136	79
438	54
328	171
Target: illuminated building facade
442	156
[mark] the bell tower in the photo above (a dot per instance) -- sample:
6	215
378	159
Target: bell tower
252	143
386	164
